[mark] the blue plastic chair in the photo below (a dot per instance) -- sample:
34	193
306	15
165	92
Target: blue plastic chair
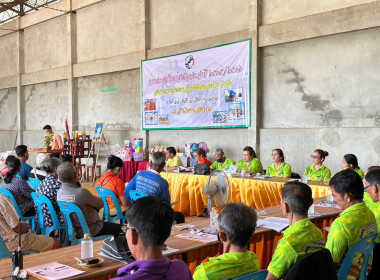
135	195
258	275
68	208
15	205
39	200
104	193
4	253
34	182
364	246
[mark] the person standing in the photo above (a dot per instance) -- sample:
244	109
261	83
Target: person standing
57	143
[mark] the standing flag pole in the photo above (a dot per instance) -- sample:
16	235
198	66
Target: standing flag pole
67	132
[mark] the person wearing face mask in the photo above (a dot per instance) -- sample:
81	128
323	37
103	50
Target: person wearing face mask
250	163
279	168
236	225
222	162
318	172
354	223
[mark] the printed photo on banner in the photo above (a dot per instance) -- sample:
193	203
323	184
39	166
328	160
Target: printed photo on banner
219	117
150	105
236	111
151	118
98	133
233	94
163	119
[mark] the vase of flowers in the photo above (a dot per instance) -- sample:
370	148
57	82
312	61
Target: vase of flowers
47	140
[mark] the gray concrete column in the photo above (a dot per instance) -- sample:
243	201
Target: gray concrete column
20	88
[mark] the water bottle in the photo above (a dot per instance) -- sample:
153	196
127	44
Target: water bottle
86	246
213	219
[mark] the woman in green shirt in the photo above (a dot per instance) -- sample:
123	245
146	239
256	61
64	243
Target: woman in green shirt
318	172
350	161
250	163
279	168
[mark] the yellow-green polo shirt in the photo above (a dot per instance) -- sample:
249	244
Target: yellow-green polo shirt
175	161
357	170
300	239
375	208
254	166
227	266
349	228
284	171
217	166
322	174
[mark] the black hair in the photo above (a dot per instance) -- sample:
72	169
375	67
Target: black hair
152	218
171	150
352	160
113	162
373	177
323	154
238	221
13	164
47	127
280	153
21	150
348	181
373	167
298	196
250	150
66	158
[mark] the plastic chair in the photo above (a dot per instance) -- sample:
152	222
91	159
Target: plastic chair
258	275
15	205
4	253
364	246
39	200
104	193
68	208
135	195
34	182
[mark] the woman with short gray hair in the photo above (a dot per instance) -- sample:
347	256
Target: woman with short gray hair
49	188
222	162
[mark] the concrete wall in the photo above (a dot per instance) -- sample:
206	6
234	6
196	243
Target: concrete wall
316	62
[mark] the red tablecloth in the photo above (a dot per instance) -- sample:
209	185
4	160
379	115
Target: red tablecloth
130	169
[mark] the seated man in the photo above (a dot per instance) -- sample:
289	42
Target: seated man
9	222
222	162
302	237
149	224
355	222
372	187
236	225
88	203
174	161
150	182
23	155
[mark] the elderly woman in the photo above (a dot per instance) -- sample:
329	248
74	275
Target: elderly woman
200	156
250	163
49	188
279	168
38	172
222	162
19	188
318	172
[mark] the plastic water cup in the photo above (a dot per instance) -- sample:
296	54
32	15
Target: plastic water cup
242	173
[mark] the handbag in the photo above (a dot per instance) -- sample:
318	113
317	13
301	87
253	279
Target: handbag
117	247
202	169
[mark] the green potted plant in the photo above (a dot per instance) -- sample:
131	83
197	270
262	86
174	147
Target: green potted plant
47	140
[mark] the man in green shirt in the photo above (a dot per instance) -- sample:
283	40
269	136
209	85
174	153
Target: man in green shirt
236	225
354	223
221	163
372	188
302	237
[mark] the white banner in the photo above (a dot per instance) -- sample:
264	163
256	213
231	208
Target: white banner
203	89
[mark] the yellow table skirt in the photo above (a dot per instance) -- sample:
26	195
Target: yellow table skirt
255	193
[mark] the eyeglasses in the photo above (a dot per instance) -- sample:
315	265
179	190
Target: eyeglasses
367	187
316	157
126	228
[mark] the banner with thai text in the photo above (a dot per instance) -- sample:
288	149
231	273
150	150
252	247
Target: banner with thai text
202	89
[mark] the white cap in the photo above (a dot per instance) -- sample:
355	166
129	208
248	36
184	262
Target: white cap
41	158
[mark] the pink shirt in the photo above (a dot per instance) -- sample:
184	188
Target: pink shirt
57	142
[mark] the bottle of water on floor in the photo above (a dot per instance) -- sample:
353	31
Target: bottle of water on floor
86	247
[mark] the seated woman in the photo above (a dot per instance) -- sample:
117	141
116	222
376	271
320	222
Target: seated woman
279	168
221	163
318	172
250	163
350	161
200	156
173	161
49	188
110	181
38	172
19	188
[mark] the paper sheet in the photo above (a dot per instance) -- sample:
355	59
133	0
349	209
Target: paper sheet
200	237
277	224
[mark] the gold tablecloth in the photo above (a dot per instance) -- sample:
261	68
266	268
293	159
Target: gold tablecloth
256	193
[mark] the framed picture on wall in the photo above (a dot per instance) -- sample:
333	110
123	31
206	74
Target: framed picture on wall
98	133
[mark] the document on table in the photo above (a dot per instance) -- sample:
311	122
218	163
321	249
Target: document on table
277	224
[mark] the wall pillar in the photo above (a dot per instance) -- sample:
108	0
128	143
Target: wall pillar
20	88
